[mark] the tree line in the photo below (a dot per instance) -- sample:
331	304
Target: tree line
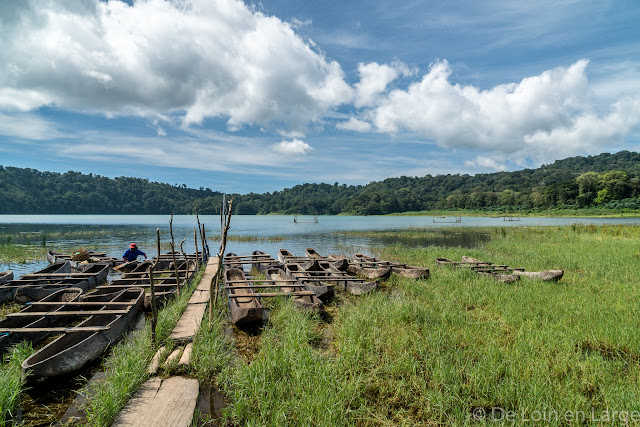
609	181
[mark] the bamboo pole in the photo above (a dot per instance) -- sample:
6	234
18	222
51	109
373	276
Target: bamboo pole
154	307
173	255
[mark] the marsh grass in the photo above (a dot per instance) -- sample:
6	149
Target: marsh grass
12	380
289	382
438	351
11	252
126	366
251	238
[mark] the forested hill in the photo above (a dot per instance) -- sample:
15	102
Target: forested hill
605	180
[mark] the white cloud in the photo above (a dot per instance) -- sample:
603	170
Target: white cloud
540	119
486	162
28	126
191	58
374	79
354	125
293	147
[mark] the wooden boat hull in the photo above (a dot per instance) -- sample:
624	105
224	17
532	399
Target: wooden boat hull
546	275
380	273
244	310
411	272
72	351
440	262
27	294
360	288
339	263
304	303
8	290
6	276
10	339
323	290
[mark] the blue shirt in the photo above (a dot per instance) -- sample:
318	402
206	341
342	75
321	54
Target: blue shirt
132	255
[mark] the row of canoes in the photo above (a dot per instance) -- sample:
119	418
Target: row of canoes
502	273
309	281
86	324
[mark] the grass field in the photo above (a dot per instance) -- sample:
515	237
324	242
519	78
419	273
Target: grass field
457	348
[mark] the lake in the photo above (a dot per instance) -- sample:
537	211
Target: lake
113	233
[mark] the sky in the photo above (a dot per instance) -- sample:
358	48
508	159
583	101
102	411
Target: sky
255	97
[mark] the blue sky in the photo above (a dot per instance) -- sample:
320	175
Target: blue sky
243	97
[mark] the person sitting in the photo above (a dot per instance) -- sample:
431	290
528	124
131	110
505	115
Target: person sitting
132	253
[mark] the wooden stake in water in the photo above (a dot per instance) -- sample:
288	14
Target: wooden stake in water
173	256
154	307
215	282
195	239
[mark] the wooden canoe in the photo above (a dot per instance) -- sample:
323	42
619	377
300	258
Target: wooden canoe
262	261
6	276
410	271
282	278
27	319
244	309
313	254
8	289
350	284
284	256
545	275
89	339
338	262
374	273
323	290
29	293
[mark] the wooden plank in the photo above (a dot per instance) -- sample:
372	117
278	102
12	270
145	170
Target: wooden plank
199	297
134	408
173	356
264	286
81	303
172	405
258	281
272	294
153	367
251	262
54	330
189	323
329	279
185	360
66	313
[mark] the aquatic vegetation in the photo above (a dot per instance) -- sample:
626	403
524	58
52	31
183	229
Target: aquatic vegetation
12	380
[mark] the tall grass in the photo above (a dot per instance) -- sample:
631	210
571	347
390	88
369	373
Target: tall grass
126	367
12	380
451	349
11	252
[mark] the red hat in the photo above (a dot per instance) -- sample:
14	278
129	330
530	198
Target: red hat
133	245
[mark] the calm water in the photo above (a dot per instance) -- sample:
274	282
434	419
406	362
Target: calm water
113	233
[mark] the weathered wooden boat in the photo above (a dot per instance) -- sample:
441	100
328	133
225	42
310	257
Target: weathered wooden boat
498	275
441	261
8	289
35	317
6	276
370	272
338	262
410	271
231	261
353	285
38	290
285	256
323	289
313	254
262	261
89	339
286	282
245	308
55	257
545	275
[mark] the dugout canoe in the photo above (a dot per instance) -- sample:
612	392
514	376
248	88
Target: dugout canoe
90	338
338	262
313	254
323	290
8	289
441	261
307	302
374	273
262	261
285	256
545	275
230	261
244	309
352	285
29	318
6	276
410	271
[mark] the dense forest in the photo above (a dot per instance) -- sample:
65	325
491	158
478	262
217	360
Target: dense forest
610	181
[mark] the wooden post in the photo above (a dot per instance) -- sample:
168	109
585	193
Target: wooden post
215	283
184	254
173	256
200	232
154	307
195	239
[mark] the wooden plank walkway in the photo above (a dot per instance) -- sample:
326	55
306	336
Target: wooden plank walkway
172	402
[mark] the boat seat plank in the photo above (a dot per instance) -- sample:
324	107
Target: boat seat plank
55	330
272	294
66	313
81	303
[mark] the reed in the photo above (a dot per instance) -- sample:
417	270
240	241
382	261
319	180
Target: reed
11	252
12	380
